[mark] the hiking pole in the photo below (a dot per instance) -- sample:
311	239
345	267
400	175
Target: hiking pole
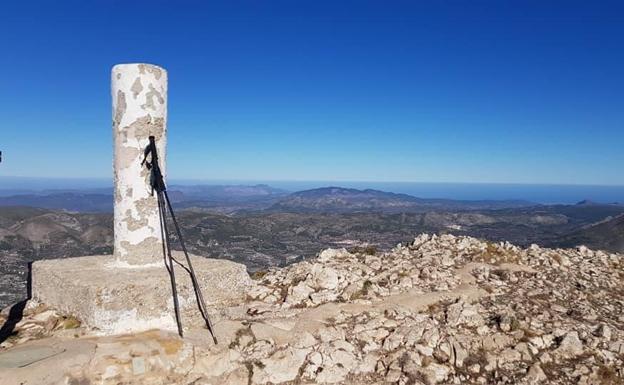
198	294
157	183
164	204
169	262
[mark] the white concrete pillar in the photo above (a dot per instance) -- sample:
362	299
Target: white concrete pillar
139	94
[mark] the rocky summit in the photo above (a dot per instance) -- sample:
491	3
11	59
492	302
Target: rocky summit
440	310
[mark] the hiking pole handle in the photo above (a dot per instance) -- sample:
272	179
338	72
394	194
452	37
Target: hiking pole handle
157	181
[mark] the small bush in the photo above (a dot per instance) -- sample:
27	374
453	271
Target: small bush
367	250
363	292
258	275
69	323
607	375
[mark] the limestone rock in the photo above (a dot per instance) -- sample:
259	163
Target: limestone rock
324	277
570	347
536	374
435	373
299	293
474	312
281	366
462	313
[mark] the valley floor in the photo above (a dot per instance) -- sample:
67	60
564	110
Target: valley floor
261	240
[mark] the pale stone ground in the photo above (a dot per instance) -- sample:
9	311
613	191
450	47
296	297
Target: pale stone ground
445	310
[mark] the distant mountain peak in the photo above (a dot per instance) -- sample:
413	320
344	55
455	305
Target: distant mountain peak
344	199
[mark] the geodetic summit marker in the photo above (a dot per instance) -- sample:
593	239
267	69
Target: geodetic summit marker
139	94
131	290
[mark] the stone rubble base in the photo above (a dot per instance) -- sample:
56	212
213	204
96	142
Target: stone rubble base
440	310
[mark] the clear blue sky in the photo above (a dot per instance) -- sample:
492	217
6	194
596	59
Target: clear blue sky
443	91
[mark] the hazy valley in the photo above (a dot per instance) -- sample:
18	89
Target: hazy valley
261	226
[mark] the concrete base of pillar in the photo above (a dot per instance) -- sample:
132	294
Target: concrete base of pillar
118	299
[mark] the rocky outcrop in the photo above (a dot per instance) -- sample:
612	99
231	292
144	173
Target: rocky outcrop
441	310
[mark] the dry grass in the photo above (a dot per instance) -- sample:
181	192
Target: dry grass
366	250
240	333
493	254
608	376
69	323
258	275
363	292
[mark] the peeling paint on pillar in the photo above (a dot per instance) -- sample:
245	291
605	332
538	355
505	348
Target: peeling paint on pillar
139	93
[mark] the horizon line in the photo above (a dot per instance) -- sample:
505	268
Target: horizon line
267	181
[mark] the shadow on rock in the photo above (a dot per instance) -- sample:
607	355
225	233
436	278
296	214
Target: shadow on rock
15	315
17	311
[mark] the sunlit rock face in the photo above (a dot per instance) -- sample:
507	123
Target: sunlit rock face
139	94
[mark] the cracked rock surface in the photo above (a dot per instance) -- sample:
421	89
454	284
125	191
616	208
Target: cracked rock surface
441	310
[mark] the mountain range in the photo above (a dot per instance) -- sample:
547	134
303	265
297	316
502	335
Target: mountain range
339	199
231	199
